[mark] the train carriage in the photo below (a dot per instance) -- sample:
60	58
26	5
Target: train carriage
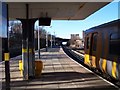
102	48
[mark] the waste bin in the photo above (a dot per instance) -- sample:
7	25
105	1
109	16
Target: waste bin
38	67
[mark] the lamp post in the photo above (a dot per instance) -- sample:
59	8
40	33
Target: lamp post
51	37
46	41
54	38
51	40
38	42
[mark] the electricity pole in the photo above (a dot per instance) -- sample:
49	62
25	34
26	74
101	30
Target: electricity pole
51	40
46	41
38	42
54	38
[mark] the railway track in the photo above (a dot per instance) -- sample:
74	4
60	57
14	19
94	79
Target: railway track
79	57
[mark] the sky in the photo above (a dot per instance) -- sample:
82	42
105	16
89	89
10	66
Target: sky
63	28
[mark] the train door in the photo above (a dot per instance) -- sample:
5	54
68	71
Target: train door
93	49
87	49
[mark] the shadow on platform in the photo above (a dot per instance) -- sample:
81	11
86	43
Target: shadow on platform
59	78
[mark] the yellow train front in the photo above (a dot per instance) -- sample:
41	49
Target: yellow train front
102	48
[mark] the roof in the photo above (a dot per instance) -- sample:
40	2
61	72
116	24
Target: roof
111	23
55	10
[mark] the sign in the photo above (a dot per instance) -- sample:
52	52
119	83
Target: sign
44	21
4	20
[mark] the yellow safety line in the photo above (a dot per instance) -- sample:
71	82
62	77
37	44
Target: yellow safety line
6	56
30	50
24	50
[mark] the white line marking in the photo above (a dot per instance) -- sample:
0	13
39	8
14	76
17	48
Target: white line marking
2	62
78	53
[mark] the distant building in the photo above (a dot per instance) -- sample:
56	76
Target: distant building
75	41
83	35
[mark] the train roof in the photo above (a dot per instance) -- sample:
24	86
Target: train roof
103	25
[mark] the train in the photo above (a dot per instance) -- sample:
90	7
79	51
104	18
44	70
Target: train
102	48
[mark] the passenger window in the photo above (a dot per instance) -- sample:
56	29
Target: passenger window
88	43
94	41
114	47
114	36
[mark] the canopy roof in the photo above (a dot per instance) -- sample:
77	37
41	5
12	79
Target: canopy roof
55	10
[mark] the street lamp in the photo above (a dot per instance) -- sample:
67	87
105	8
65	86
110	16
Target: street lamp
38	42
46	41
51	40
51	37
54	38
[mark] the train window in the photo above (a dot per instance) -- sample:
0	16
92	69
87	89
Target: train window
114	36
94	41
114	47
88	43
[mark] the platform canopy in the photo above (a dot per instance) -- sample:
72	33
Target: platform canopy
72	10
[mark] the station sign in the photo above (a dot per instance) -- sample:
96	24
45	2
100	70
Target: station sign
44	21
4	20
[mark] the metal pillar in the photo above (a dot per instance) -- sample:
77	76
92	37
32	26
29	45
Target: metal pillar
28	56
46	42
38	43
31	53
51	40
6	52
54	38
24	48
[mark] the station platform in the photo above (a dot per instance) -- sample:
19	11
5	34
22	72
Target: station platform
59	72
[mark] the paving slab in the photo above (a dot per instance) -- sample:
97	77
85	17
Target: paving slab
59	72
